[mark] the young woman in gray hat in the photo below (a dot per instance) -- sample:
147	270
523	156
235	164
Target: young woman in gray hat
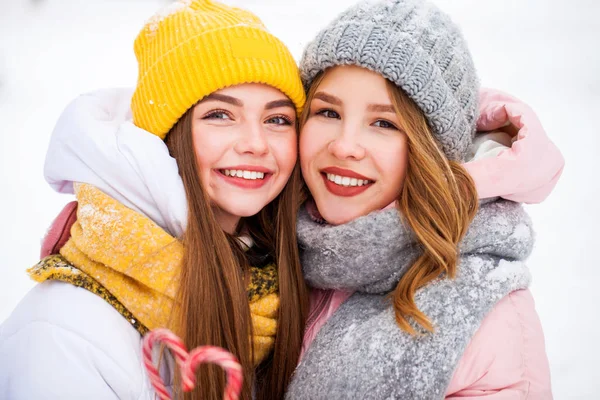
416	257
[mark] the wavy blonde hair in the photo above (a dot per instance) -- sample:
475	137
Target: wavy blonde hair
438	201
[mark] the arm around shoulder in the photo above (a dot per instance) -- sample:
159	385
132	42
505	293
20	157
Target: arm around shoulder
506	358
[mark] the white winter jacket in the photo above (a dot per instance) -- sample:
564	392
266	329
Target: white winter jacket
64	342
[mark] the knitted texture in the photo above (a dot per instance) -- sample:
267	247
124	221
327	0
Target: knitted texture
361	350
193	48
417	47
130	259
56	267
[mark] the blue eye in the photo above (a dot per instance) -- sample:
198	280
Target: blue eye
279	120
384	124
329	114
217	114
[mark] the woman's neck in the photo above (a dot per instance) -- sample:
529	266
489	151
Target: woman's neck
228	222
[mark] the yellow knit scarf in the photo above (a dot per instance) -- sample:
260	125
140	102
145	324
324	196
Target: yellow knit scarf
138	263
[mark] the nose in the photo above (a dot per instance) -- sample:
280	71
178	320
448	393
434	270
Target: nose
252	140
346	145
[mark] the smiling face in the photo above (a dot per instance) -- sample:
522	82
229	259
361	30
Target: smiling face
246	145
352	153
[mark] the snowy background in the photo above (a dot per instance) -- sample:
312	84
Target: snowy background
545	52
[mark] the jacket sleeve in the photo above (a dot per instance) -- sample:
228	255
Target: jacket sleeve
506	359
528	170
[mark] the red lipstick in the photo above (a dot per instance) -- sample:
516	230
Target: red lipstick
344	172
344	191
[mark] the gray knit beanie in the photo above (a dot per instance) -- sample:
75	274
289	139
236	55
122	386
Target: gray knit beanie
414	45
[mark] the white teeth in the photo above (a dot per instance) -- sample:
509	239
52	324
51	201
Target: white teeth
251	175
346	181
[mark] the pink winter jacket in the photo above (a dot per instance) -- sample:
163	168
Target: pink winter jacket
506	358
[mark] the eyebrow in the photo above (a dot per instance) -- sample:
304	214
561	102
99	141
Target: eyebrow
279	103
386	108
238	103
329	98
224	98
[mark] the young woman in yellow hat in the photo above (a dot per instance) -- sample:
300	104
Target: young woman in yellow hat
185	218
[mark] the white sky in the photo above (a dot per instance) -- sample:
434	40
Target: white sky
545	52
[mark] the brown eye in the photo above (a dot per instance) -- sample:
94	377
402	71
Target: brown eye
329	114
384	124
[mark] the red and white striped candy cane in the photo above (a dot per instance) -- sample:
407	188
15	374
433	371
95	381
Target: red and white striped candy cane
188	362
174	344
221	357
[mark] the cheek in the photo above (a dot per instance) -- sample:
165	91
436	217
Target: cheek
310	143
211	142
208	147
285	151
392	164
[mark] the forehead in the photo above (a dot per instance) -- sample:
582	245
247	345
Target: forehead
253	91
356	84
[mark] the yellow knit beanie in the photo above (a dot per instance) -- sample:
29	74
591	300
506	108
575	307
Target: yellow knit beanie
193	48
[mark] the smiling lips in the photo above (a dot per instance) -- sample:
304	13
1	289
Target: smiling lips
344	182
339	181
245	176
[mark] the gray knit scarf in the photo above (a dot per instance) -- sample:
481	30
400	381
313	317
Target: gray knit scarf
361	352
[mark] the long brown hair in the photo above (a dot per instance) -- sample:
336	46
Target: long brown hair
212	300
438	201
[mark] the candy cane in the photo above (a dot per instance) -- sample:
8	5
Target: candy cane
174	344
188	362
221	357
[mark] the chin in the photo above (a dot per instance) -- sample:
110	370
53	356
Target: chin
337	220
243	210
339	215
